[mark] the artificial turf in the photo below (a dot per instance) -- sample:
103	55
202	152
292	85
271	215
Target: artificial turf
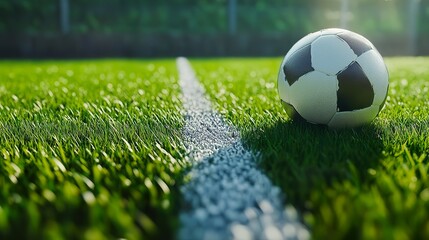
89	149
93	149
364	183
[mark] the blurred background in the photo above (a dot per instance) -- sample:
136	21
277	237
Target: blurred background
164	28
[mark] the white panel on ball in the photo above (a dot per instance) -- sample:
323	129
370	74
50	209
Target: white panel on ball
354	118
314	97
308	39
332	31
374	68
330	54
283	87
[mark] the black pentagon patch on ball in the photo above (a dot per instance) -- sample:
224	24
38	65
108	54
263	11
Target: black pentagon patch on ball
292	113
298	64
354	89
357	45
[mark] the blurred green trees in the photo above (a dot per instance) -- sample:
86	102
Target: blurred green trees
201	27
205	16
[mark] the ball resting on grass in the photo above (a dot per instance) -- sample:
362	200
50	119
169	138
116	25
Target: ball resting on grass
333	77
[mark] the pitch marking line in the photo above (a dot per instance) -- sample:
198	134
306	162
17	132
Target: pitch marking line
227	197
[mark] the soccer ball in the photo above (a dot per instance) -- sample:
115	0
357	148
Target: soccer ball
333	77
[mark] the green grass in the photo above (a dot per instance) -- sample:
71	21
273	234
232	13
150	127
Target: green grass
365	183
89	149
93	150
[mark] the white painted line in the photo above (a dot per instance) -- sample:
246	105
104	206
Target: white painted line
226	197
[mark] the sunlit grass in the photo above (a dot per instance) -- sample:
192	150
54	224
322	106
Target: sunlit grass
92	149
369	182
89	149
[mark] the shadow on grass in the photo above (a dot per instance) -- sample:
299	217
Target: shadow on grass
301	158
